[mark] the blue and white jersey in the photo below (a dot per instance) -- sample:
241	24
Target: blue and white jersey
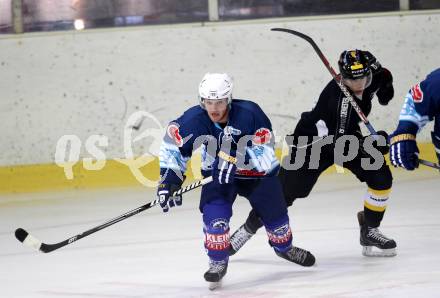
422	104
248	131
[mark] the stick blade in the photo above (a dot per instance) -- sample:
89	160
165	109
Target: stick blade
27	239
302	35
21	234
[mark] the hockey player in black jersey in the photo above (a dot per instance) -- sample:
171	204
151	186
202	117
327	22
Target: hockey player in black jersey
334	117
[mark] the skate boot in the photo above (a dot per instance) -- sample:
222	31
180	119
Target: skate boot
298	256
215	273
372	237
239	238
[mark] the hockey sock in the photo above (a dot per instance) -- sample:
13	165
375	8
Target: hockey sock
279	234
216	217
375	204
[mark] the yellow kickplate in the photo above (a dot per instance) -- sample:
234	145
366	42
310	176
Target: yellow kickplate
50	177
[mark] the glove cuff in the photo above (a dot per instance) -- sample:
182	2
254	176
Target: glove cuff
402	137
169	176
227	157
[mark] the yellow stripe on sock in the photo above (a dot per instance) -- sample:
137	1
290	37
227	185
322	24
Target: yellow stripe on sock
374	208
379	193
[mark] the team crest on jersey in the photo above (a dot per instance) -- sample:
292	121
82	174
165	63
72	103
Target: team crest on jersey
229	131
174	134
262	136
417	93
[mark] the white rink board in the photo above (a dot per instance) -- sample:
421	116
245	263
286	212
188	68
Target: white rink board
89	82
157	255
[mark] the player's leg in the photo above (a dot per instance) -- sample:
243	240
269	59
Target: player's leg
295	184
268	202
216	207
379	184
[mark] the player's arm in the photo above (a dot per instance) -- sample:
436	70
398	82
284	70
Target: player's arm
262	149
312	122
175	152
413	117
386	89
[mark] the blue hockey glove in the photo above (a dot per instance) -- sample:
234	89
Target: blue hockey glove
223	168
436	142
403	151
165	194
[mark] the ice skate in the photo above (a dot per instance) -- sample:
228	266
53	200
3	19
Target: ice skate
374	243
239	238
215	273
298	256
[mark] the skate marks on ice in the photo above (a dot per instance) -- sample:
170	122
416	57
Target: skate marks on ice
139	258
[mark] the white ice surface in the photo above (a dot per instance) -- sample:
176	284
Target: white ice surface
161	255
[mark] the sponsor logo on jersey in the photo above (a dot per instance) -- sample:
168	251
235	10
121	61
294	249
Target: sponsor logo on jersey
174	134
262	136
343	114
417	93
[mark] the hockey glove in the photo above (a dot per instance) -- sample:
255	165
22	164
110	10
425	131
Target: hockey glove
165	193
436	142
223	168
403	151
382	149
386	89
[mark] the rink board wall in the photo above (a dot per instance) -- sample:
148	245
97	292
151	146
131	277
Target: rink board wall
90	82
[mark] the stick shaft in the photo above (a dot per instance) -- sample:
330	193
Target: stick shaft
342	86
31	241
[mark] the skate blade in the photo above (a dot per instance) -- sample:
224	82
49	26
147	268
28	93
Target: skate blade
214	285
371	251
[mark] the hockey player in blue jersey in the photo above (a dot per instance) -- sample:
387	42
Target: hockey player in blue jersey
238	152
422	104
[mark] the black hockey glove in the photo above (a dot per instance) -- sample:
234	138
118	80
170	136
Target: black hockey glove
165	194
372	62
386	89
382	149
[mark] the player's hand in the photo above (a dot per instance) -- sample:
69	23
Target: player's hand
223	168
403	151
165	194
382	149
386	90
372	61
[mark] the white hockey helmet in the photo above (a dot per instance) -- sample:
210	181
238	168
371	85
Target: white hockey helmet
215	86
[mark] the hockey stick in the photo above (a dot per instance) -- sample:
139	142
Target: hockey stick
342	86
33	242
